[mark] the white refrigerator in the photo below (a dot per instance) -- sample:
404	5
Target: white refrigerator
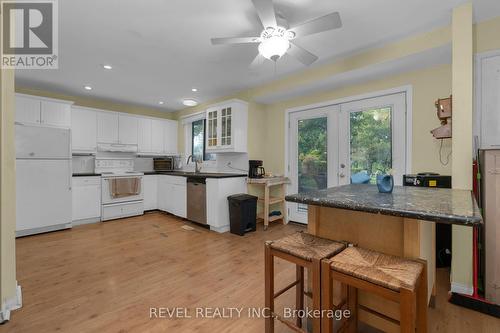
43	179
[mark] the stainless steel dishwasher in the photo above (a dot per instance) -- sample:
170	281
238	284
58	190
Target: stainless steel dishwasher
196	200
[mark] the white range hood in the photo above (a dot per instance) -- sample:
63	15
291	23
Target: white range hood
117	147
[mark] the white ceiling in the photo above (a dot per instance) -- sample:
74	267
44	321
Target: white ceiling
160	49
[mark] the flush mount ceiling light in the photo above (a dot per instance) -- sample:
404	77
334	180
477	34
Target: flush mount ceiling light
161	102
87	88
189	102
108	67
277	38
194	90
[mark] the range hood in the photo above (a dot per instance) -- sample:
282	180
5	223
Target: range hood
117	147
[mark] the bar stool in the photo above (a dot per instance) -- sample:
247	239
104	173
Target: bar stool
305	251
393	278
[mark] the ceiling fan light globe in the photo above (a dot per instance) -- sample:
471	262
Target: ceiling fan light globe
274	47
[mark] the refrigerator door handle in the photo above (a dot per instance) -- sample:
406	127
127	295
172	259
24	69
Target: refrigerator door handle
70	175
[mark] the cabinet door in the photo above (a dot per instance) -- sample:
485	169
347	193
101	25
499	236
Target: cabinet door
164	194
55	114
170	137
83	130
144	135
212	122
179	200
27	110
490	103
150	192
107	127
86	193
226	127
127	129
157	136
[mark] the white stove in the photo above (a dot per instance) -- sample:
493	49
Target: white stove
121	188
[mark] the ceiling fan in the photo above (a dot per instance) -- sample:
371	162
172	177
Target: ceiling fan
277	38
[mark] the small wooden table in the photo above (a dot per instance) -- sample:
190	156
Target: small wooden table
267	200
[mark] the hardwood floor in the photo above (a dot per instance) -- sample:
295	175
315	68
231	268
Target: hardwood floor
105	277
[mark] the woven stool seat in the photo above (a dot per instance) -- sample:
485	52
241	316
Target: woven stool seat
307	247
381	269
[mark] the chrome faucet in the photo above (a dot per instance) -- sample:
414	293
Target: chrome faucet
197	163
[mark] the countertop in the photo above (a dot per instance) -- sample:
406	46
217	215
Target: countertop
197	175
87	174
430	204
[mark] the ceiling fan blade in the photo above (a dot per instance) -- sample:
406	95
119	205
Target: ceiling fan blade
324	23
235	40
265	10
257	61
301	54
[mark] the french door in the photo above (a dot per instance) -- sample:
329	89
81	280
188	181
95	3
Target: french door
346	143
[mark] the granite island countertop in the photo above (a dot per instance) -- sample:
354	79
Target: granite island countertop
429	204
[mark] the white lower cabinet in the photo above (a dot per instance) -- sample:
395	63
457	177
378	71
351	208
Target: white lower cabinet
150	190
172	194
86	193
218	189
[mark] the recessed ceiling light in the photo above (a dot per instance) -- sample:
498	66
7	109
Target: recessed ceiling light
87	87
194	90
189	102
107	67
161	102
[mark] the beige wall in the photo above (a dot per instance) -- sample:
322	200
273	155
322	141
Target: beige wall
99	103
7	188
428	85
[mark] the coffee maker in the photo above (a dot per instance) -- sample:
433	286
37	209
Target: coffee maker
256	170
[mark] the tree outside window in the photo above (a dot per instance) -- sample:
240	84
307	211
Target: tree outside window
198	141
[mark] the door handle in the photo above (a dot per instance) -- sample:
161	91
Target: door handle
341	175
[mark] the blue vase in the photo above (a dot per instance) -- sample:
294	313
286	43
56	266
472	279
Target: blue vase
385	183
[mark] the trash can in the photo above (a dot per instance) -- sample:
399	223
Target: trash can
242	213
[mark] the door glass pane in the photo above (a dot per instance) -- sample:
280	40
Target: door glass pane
312	154
371	143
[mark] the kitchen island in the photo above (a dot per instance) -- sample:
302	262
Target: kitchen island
401	223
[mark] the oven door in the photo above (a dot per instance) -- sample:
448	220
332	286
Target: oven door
127	188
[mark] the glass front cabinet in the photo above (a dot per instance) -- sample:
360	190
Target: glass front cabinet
227	124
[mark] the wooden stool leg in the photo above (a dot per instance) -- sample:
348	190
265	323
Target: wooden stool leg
299	292
326	296
353	306
422	302
269	288
316	293
407	311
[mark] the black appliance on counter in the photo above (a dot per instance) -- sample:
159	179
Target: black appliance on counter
443	231
427	179
255	169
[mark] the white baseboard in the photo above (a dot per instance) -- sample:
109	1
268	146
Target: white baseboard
460	288
11	304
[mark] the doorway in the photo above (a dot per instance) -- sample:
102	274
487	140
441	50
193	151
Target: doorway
344	143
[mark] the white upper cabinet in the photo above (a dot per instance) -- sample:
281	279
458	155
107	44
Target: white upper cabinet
55	114
83	130
227	127
27	110
43	111
107	127
170	137
128	129
144	135
157	136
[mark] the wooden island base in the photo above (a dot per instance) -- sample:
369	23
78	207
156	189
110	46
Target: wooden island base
393	235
